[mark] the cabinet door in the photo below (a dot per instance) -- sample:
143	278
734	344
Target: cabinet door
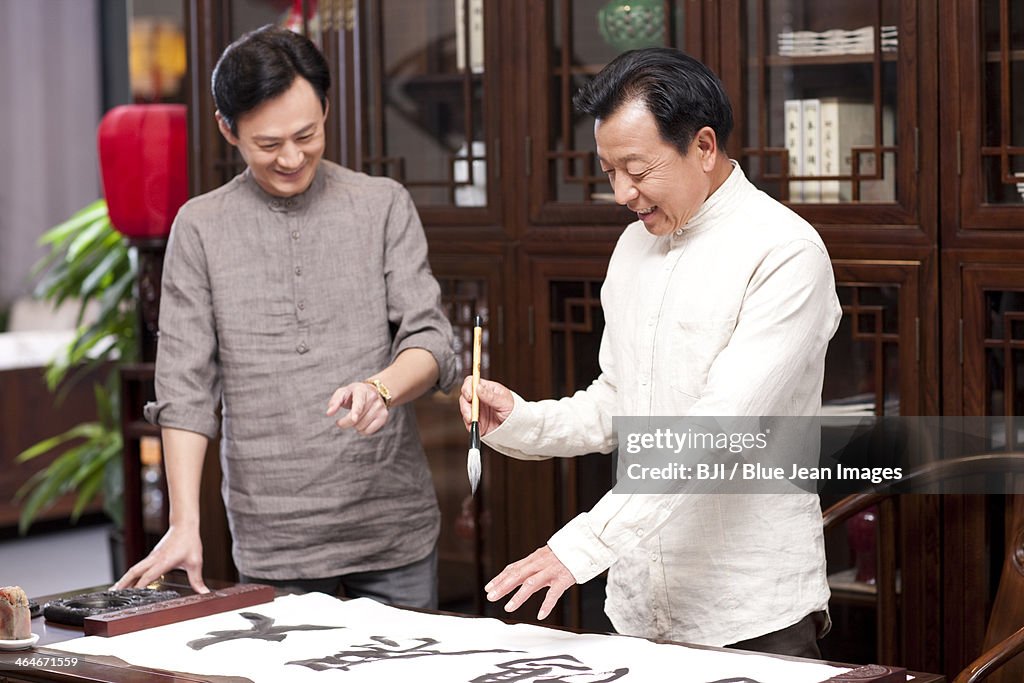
989	101
569	42
876	364
565	321
418	100
827	98
467	546
412	96
990	337
983	305
874	361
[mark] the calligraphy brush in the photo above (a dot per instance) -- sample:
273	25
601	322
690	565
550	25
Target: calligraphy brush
473	458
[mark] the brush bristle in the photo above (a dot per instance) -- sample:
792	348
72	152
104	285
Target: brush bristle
473	468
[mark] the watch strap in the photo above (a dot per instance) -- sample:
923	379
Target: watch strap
382	391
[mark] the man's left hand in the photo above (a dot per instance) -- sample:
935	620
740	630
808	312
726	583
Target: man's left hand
539	569
366	410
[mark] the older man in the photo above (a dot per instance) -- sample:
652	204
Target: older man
719	301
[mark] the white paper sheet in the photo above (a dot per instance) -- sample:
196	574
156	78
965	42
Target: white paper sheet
361	640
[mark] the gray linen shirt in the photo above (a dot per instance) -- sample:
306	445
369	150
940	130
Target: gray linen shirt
268	306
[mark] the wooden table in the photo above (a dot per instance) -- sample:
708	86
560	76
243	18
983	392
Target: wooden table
53	665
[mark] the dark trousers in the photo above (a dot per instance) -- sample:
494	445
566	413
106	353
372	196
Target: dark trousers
413	585
798	640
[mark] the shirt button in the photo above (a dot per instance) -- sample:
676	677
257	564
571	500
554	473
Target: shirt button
654	557
302	306
295	235
275	203
639	532
298	270
679	232
302	348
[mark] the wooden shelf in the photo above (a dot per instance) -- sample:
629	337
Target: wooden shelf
846	589
824	60
997	56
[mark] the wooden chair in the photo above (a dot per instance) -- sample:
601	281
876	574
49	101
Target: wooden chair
1004	637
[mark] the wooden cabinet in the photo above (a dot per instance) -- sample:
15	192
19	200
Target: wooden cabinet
981	107
836	115
918	145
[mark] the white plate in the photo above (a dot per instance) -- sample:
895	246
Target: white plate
22	644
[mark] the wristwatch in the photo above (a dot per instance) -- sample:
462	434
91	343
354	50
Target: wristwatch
382	391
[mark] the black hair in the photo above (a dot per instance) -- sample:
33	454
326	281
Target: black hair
680	92
262	65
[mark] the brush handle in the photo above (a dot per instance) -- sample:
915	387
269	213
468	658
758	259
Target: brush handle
477	334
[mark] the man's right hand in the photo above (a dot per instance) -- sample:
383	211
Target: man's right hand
496	403
178	549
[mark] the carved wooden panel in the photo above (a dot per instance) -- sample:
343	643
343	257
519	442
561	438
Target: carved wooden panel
993	346
425	77
857	132
468	288
875	169
566	335
990	117
872	365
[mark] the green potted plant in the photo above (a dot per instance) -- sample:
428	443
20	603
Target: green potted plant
89	261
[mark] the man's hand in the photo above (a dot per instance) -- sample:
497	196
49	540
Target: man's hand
366	410
178	549
539	569
496	403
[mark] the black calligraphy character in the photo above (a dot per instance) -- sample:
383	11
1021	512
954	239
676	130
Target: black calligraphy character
549	670
371	652
262	629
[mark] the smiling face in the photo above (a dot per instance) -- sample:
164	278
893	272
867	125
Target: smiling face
282	140
649	175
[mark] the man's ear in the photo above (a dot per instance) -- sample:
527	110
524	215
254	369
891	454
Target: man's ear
706	143
225	130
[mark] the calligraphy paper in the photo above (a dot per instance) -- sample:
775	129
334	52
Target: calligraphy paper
318	638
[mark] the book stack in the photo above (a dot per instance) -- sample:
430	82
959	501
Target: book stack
821	135
836	41
475	44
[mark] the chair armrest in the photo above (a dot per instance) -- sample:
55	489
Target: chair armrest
849	506
993	658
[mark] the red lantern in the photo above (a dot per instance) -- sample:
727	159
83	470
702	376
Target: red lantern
143	160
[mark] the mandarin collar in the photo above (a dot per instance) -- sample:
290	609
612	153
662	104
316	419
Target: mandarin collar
721	203
286	204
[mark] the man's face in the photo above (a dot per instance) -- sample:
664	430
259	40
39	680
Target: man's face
282	140
650	176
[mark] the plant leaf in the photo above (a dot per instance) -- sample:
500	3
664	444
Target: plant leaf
86	494
59	233
112	265
51	486
84	430
90	233
87	260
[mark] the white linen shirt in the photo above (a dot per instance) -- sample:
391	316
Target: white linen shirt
730	315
